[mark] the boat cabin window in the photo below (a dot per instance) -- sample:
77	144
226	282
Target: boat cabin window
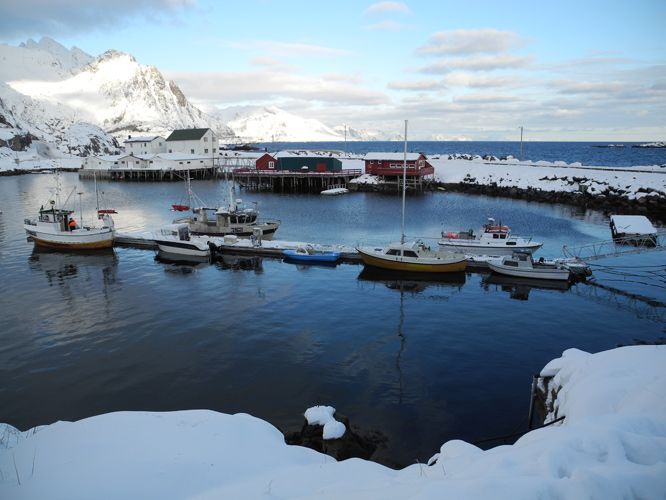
499	236
410	253
393	251
511	263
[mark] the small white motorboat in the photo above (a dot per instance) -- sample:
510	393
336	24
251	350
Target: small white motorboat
492	239
523	265
175	239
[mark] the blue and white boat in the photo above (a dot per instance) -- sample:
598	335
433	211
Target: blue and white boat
308	253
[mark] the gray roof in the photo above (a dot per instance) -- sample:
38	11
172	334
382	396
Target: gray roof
188	134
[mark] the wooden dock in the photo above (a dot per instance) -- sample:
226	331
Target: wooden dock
293	181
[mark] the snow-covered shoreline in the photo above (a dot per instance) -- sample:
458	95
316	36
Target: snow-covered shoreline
611	444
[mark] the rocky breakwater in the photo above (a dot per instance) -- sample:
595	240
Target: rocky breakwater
616	191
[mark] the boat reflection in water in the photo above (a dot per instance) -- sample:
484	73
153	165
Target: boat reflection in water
519	288
412	282
60	267
239	263
181	264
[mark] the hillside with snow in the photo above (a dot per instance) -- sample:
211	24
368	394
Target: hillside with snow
46	89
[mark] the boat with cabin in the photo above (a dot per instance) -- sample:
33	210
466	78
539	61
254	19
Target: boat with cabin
522	265
175	240
234	219
413	255
55	227
492	239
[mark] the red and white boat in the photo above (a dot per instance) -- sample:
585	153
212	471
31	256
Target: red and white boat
492	239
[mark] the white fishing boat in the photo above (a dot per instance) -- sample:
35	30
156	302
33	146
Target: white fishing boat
56	228
175	239
233	219
492	239
523	265
414	255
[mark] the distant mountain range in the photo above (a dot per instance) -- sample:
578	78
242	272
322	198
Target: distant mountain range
87	104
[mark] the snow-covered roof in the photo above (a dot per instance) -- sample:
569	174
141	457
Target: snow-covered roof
392	156
633	224
143	139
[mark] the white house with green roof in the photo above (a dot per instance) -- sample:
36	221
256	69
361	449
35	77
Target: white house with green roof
196	141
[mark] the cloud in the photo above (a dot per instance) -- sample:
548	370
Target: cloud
342	77
486	98
267	85
30	18
575	87
477	63
465	42
473	81
384	7
419	85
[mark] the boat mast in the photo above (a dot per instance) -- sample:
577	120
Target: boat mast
404	186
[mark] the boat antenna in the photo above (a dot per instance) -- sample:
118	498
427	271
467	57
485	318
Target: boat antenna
404	186
80	208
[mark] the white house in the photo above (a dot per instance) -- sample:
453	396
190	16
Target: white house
196	141
145	145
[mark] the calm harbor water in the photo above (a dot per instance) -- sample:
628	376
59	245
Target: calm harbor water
587	153
420	361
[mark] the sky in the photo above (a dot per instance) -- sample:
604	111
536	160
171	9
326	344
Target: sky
475	70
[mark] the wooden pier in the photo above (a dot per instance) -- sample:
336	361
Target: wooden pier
293	181
148	174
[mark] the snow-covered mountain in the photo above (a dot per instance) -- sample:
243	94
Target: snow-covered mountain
46	90
268	123
83	104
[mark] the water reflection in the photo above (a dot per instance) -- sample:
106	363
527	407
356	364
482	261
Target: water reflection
178	264
61	267
519	288
412	282
240	263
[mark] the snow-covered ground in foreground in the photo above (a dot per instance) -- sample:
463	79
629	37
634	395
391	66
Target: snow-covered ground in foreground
611	445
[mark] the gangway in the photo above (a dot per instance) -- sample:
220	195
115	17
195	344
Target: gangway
615	248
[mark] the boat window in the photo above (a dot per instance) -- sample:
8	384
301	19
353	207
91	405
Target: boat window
511	263
393	251
410	253
502	236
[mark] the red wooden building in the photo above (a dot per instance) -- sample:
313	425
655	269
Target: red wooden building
391	164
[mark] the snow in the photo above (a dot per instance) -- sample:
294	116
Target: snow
323	415
611	445
633	224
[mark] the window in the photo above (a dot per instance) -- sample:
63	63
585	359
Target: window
410	253
206	150
205	139
192	151
393	251
271	164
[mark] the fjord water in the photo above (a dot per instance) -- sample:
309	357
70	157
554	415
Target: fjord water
420	361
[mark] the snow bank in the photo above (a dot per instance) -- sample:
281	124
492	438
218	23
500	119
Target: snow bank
611	445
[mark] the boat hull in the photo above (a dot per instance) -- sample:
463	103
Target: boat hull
317	257
405	264
182	248
480	248
532	273
268	231
80	239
